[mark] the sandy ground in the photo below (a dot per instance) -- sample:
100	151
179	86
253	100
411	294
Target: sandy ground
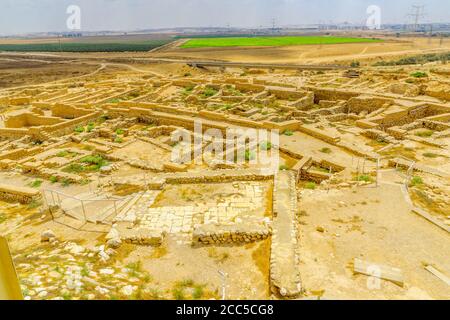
375	225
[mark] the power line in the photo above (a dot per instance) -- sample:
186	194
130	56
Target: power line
418	12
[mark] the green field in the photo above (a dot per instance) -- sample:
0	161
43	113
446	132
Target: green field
269	41
85	47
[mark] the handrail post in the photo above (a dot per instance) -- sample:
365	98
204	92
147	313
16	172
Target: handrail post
53	197
59	200
84	210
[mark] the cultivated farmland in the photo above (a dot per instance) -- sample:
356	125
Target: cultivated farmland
270	41
85	47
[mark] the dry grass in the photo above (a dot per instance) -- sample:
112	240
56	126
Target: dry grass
421	197
261	257
159	252
126	190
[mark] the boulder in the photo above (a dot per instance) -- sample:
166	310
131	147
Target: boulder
47	236
114	243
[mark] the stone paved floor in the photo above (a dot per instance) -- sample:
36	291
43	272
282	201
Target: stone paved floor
180	220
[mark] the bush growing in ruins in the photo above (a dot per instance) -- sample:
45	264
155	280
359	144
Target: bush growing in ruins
424	134
53	179
364	177
209	92
34	204
95	162
416	181
419	74
355	64
79	129
288	133
89	163
66	182
430	155
36	183
198	292
74	168
325	150
310	185
104	118
66	154
90	127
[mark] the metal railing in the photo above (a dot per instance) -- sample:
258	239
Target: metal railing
77	207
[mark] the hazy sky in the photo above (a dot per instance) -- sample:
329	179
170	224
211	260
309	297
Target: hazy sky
23	16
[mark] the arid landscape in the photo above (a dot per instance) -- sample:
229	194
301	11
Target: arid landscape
94	205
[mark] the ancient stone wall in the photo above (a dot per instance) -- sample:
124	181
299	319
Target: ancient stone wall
18	194
236	233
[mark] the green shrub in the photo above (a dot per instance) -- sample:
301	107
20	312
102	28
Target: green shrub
430	155
66	154
79	129
119	132
36	183
189	88
425	133
209	92
288	133
419	74
74	168
104	118
325	150
284	167
178	294
66	182
355	64
364	178
94	162
53	179
34	204
310	185
198	292
118	140
62	154
90	127
416	181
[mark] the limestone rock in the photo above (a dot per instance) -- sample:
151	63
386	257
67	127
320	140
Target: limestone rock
114	243
47	235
